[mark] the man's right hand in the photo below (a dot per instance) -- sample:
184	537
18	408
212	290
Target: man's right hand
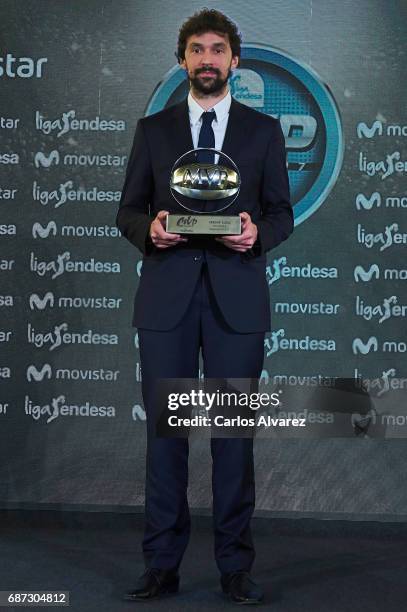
159	237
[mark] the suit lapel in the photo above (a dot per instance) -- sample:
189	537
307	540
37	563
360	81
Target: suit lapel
181	129
235	136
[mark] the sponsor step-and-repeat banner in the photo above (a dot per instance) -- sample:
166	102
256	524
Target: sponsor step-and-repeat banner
73	83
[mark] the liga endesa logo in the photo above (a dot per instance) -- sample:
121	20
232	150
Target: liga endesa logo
273	82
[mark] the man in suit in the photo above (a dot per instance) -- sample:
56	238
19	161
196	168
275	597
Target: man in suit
206	294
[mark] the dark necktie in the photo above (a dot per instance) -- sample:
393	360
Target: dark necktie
207	138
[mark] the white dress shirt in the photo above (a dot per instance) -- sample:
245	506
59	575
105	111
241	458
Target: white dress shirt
219	124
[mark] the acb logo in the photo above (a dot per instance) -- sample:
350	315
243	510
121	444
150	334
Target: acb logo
275	83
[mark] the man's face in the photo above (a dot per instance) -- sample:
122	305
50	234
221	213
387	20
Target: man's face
209	61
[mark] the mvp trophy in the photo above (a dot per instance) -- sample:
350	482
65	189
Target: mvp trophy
204	190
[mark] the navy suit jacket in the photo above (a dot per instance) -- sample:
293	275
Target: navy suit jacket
255	142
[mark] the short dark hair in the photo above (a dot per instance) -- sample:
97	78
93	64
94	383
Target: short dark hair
208	20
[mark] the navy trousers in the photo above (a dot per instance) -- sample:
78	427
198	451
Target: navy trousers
175	354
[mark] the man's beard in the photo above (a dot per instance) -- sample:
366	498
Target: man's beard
209	85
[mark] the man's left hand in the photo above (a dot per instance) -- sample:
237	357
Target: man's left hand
244	241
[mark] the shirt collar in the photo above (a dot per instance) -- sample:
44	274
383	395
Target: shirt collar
221	108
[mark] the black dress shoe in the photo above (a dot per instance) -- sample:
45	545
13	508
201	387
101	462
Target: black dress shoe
154	583
241	588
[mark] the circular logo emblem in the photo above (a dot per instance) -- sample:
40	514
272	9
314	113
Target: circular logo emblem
273	82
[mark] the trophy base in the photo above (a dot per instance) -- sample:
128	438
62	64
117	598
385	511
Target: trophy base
216	225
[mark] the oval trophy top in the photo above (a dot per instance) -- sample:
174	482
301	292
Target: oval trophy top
193	181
